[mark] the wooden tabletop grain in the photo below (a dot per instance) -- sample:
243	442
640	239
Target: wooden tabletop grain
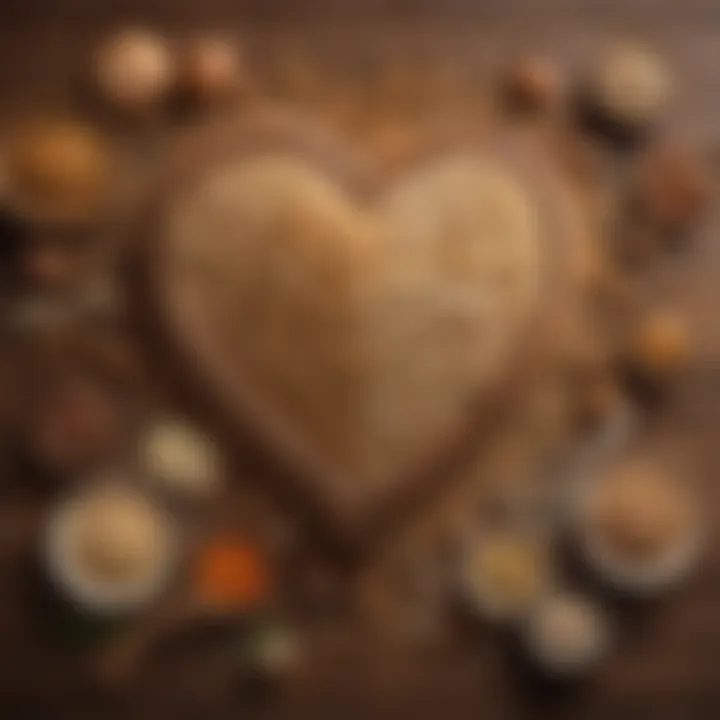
665	662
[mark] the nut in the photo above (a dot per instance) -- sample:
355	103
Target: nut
210	70
134	71
73	423
672	187
660	347
58	169
532	84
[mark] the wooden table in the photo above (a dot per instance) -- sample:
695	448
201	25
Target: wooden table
665	664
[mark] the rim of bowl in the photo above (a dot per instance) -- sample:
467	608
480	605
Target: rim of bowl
68	578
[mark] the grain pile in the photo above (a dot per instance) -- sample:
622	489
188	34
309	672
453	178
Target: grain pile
368	326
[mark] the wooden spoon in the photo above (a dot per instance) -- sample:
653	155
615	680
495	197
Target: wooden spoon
230	578
120	660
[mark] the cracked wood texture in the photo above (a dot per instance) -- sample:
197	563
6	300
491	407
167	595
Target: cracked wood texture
664	664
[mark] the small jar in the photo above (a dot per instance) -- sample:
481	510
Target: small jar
566	635
134	71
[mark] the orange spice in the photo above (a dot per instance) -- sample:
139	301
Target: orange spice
231	572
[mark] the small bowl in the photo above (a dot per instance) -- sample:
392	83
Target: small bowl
195	474
488	603
629	576
543	648
99	597
594	452
96	203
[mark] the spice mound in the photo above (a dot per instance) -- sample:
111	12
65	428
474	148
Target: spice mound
58	170
642	529
506	573
640	515
230	573
567	634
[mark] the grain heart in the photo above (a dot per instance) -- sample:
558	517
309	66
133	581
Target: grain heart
357	334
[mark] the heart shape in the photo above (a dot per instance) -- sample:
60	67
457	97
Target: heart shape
359	333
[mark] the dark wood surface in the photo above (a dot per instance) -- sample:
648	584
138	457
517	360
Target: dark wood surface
665	662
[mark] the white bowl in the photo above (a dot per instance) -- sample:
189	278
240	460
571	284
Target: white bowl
487	602
180	460
627	575
73	583
549	655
